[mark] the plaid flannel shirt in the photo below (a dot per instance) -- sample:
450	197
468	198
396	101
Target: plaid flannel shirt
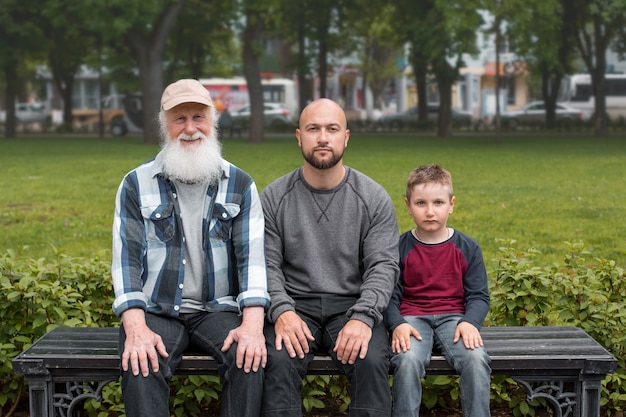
148	258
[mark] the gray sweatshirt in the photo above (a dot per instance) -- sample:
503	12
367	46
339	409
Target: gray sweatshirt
342	241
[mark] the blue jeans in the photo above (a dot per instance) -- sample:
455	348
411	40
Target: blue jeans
205	332
369	378
409	367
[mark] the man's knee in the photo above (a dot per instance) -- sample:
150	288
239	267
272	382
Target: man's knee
279	360
372	365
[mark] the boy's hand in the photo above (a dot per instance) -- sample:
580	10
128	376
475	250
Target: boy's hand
470	334
401	337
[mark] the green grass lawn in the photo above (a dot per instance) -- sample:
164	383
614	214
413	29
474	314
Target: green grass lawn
538	190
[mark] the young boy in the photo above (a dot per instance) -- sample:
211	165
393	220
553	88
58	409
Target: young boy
441	299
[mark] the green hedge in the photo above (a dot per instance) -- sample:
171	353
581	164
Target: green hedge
40	294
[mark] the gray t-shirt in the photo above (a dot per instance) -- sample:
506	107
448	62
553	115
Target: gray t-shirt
191	200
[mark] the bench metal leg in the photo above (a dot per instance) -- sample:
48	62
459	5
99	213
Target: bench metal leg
582	401
45	402
589	392
563	403
40	397
75	393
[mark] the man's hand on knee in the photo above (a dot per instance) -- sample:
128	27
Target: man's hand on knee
353	341
142	346
251	350
294	333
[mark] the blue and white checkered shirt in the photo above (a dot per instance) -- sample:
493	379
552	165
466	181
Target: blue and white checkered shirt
148	259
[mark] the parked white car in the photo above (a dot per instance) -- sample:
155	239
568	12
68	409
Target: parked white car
28	113
408	118
274	115
534	113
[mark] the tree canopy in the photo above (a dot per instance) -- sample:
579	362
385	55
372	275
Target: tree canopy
143	45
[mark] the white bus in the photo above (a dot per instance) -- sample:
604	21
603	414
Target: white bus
232	93
578	93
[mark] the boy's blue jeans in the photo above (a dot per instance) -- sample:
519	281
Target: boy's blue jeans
205	332
409	367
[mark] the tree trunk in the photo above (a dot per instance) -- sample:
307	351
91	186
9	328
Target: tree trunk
148	52
151	82
68	114
10	76
322	65
593	49
420	70
498	81
251	34
549	99
553	76
64	82
302	68
601	118
601	36
446	75
444	124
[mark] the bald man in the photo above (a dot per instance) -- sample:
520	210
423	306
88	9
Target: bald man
332	254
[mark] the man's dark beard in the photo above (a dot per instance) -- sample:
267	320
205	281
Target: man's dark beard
326	164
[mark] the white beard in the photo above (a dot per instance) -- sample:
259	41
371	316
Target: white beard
195	164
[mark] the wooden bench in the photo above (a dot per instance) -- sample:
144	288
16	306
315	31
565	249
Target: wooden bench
564	365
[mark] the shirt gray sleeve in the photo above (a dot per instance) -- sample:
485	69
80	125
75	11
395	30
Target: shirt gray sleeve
380	262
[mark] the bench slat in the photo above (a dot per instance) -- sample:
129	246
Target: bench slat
511	349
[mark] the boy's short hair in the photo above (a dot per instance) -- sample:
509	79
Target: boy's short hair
426	174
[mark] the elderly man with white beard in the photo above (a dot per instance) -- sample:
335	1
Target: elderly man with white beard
188	263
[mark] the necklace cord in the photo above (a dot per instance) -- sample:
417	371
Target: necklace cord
418	237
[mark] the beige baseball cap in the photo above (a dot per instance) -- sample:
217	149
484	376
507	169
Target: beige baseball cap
185	91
